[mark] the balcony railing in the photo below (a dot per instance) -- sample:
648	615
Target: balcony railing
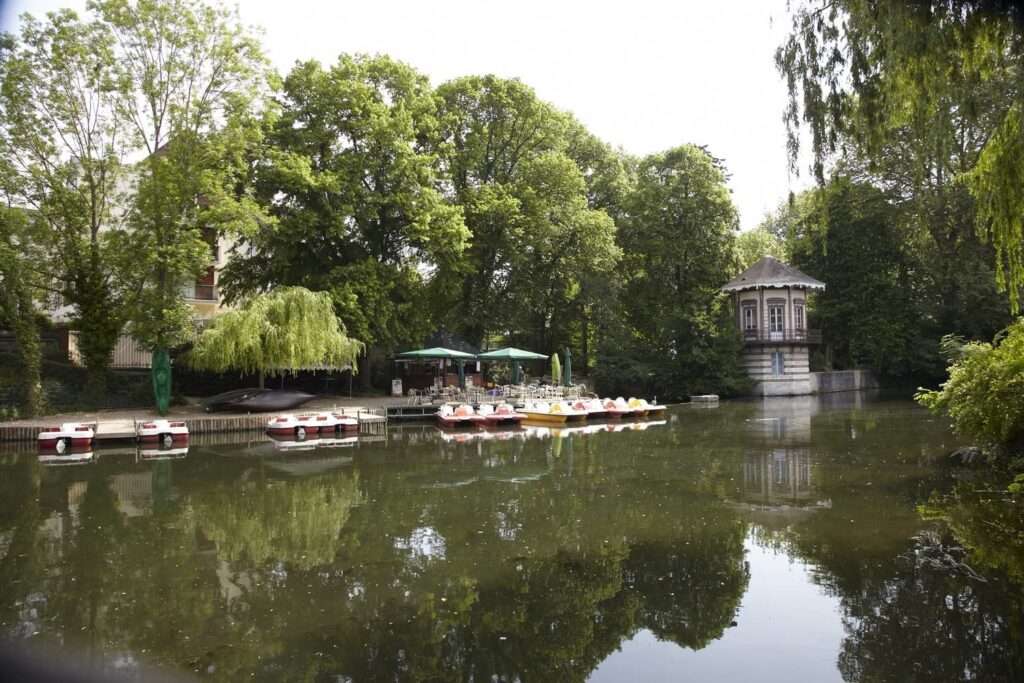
782	336
198	292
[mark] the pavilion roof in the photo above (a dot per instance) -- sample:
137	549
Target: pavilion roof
771	272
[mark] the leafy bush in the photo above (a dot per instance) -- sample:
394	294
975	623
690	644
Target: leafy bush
984	394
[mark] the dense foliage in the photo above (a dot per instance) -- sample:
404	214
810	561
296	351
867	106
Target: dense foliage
934	85
984	394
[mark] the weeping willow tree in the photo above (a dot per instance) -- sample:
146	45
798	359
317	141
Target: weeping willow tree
285	330
935	84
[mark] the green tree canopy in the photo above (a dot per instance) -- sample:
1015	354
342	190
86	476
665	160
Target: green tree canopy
61	148
286	330
351	186
754	244
189	84
533	185
873	311
941	79
676	337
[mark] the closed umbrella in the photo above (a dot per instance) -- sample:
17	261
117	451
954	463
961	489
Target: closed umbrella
568	368
462	374
556	368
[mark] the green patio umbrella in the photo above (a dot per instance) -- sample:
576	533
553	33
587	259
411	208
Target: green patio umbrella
513	355
567	368
556	368
436	352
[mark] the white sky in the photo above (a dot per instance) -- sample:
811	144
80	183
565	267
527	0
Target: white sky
644	75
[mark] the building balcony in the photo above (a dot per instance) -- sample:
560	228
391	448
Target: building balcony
781	336
198	292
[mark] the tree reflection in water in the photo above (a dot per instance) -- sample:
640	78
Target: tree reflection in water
508	558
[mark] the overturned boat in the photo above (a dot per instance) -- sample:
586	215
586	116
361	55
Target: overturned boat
255	400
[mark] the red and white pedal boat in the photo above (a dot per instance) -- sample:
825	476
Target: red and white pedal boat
162	430
59	439
500	414
345	422
287	424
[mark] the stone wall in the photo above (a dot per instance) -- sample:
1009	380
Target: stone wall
841	380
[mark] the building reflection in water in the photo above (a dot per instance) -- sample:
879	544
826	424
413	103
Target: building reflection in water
778	484
781	476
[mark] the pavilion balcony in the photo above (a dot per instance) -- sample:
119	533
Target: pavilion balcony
781	336
200	292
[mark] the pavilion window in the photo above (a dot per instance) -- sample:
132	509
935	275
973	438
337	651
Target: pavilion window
750	318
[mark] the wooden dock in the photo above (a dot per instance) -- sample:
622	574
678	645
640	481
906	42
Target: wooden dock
371	421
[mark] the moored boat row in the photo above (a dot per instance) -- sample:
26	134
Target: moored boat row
554	412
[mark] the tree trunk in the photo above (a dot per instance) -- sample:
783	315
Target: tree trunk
262	379
364	372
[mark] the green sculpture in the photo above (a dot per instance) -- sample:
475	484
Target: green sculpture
162	380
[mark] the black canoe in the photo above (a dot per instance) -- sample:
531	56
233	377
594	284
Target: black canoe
255	400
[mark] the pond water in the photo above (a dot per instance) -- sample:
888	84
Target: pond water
807	539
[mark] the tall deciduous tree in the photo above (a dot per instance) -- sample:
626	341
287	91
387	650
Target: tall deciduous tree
940	78
873	312
19	291
352	187
533	185
189	78
286	330
678	245
62	143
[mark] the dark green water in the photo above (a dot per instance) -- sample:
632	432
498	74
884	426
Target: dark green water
793	539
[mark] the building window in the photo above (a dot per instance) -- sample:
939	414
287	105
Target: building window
776	319
749	317
778	363
798	317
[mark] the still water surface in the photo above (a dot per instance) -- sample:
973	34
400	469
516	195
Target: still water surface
810	539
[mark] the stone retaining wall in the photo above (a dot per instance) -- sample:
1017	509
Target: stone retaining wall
842	380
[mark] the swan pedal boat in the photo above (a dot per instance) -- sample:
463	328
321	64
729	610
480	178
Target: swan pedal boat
591	406
648	408
161	430
500	414
617	407
463	416
58	439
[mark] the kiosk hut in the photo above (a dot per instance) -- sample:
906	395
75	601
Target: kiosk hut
771	301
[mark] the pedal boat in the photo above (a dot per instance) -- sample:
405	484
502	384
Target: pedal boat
500	414
165	431
60	439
